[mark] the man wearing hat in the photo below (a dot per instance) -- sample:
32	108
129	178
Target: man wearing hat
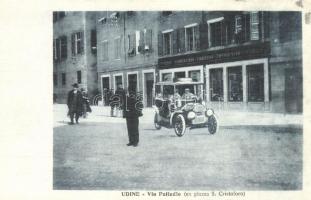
75	104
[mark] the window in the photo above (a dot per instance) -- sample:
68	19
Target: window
235	87
132	44
255	83
93	42
195	75
167	77
60	48
77	43
238	24
79	77
216	85
190	38
55	79
178	75
132	82
167	43
254	26
63	78
147	40
105	50
138	40
217	32
63	47
117	48
58	15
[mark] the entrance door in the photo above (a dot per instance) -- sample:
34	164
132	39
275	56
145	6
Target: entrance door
293	90
106	90
132	82
149	81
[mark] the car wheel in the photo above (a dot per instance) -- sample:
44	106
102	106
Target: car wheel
212	124
180	125
156	124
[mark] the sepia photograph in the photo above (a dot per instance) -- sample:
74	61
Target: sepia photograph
176	100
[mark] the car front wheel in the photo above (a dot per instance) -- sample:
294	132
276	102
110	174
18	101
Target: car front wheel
180	125
212	124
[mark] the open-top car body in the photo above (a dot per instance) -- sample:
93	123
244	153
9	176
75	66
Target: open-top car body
180	105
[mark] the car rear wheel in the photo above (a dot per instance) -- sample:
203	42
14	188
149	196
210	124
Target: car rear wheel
180	125
212	124
156	122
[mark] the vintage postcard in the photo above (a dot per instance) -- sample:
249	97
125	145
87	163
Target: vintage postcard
172	101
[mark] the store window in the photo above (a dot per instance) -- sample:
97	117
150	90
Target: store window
195	75
255	83
216	85
167	43
167	77
178	75
235	85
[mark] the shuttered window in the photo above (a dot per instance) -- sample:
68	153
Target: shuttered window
132	44
105	50
254	26
77	43
167	43
117	48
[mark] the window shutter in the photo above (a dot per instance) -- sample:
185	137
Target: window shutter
73	51
260	25
160	44
57	49
149	38
203	36
181	35
82	43
175	41
54	50
133	37
141	46
246	27
197	37
64	49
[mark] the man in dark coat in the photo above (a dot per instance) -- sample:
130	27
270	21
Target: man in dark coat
75	103
132	110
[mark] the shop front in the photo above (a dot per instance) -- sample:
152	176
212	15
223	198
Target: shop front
234	78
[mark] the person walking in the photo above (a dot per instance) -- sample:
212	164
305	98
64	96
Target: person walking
74	103
85	103
132	110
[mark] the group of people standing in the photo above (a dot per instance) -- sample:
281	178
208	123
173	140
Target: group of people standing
78	104
128	102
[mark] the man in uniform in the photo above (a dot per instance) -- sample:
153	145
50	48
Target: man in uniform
75	103
131	112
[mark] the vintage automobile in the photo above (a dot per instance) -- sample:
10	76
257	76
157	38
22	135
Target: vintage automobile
181	112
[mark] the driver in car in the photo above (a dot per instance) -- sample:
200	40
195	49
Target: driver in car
188	96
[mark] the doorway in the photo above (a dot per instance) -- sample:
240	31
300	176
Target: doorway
149	84
132	82
106	90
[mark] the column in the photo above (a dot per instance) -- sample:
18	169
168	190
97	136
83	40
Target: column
225	79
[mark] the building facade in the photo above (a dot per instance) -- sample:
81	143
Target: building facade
242	58
127	52
246	60
74	53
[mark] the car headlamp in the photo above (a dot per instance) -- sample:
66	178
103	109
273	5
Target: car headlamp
191	115
209	112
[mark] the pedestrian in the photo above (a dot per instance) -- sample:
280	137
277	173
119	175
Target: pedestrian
85	103
119	94
132	110
74	103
